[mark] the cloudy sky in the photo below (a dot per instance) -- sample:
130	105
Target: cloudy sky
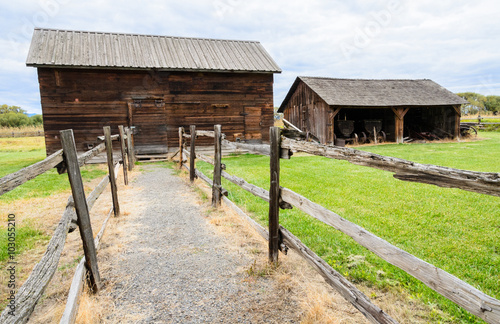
455	43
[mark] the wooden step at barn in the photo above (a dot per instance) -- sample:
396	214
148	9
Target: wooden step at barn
152	157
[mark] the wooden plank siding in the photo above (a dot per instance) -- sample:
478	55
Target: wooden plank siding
88	99
310	113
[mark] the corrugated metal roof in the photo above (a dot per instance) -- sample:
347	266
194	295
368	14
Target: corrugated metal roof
64	48
377	93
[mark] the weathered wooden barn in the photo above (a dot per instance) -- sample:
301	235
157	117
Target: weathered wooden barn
399	108
154	84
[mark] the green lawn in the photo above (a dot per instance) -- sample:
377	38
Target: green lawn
18	153
456	230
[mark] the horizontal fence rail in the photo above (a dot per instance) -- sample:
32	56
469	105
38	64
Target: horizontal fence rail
456	290
480	182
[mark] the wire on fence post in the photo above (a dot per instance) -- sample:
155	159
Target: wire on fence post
124	154
81	207
130	149
274	195
111	168
181	141
216	188
192	154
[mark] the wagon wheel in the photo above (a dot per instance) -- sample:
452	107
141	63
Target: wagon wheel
382	137
466	131
364	138
356	139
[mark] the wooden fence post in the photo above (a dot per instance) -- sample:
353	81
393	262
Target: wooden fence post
124	154
181	141
81	207
192	154
130	150
111	169
274	195
216	188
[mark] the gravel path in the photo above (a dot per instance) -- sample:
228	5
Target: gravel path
176	269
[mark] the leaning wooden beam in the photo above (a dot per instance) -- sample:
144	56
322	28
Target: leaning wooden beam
14	180
461	293
253	189
480	182
292	126
337	281
263	149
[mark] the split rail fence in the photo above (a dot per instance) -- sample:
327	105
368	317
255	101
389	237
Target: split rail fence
279	238
77	211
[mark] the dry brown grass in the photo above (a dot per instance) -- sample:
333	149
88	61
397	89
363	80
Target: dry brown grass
44	214
24	131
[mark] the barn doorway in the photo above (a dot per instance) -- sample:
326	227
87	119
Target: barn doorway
149	124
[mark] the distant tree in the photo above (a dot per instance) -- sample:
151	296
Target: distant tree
492	103
13	119
476	102
6	109
14	116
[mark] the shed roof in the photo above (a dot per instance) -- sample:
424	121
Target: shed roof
377	93
81	49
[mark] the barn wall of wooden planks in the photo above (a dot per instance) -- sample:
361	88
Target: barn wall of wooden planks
156	103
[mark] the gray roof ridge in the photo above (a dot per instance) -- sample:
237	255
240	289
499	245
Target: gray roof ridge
146	35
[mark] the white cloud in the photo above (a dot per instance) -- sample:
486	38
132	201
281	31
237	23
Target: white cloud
453	42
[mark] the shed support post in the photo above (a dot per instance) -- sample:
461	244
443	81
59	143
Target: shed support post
399	115
111	170
181	142
192	154
81	208
456	130
331	125
124	154
274	195
217	184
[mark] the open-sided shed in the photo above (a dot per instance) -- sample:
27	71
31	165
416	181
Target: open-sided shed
154	84
399	108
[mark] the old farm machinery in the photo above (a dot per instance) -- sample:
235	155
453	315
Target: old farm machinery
369	132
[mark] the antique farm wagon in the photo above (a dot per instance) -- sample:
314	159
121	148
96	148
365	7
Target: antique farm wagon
330	108
153	84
